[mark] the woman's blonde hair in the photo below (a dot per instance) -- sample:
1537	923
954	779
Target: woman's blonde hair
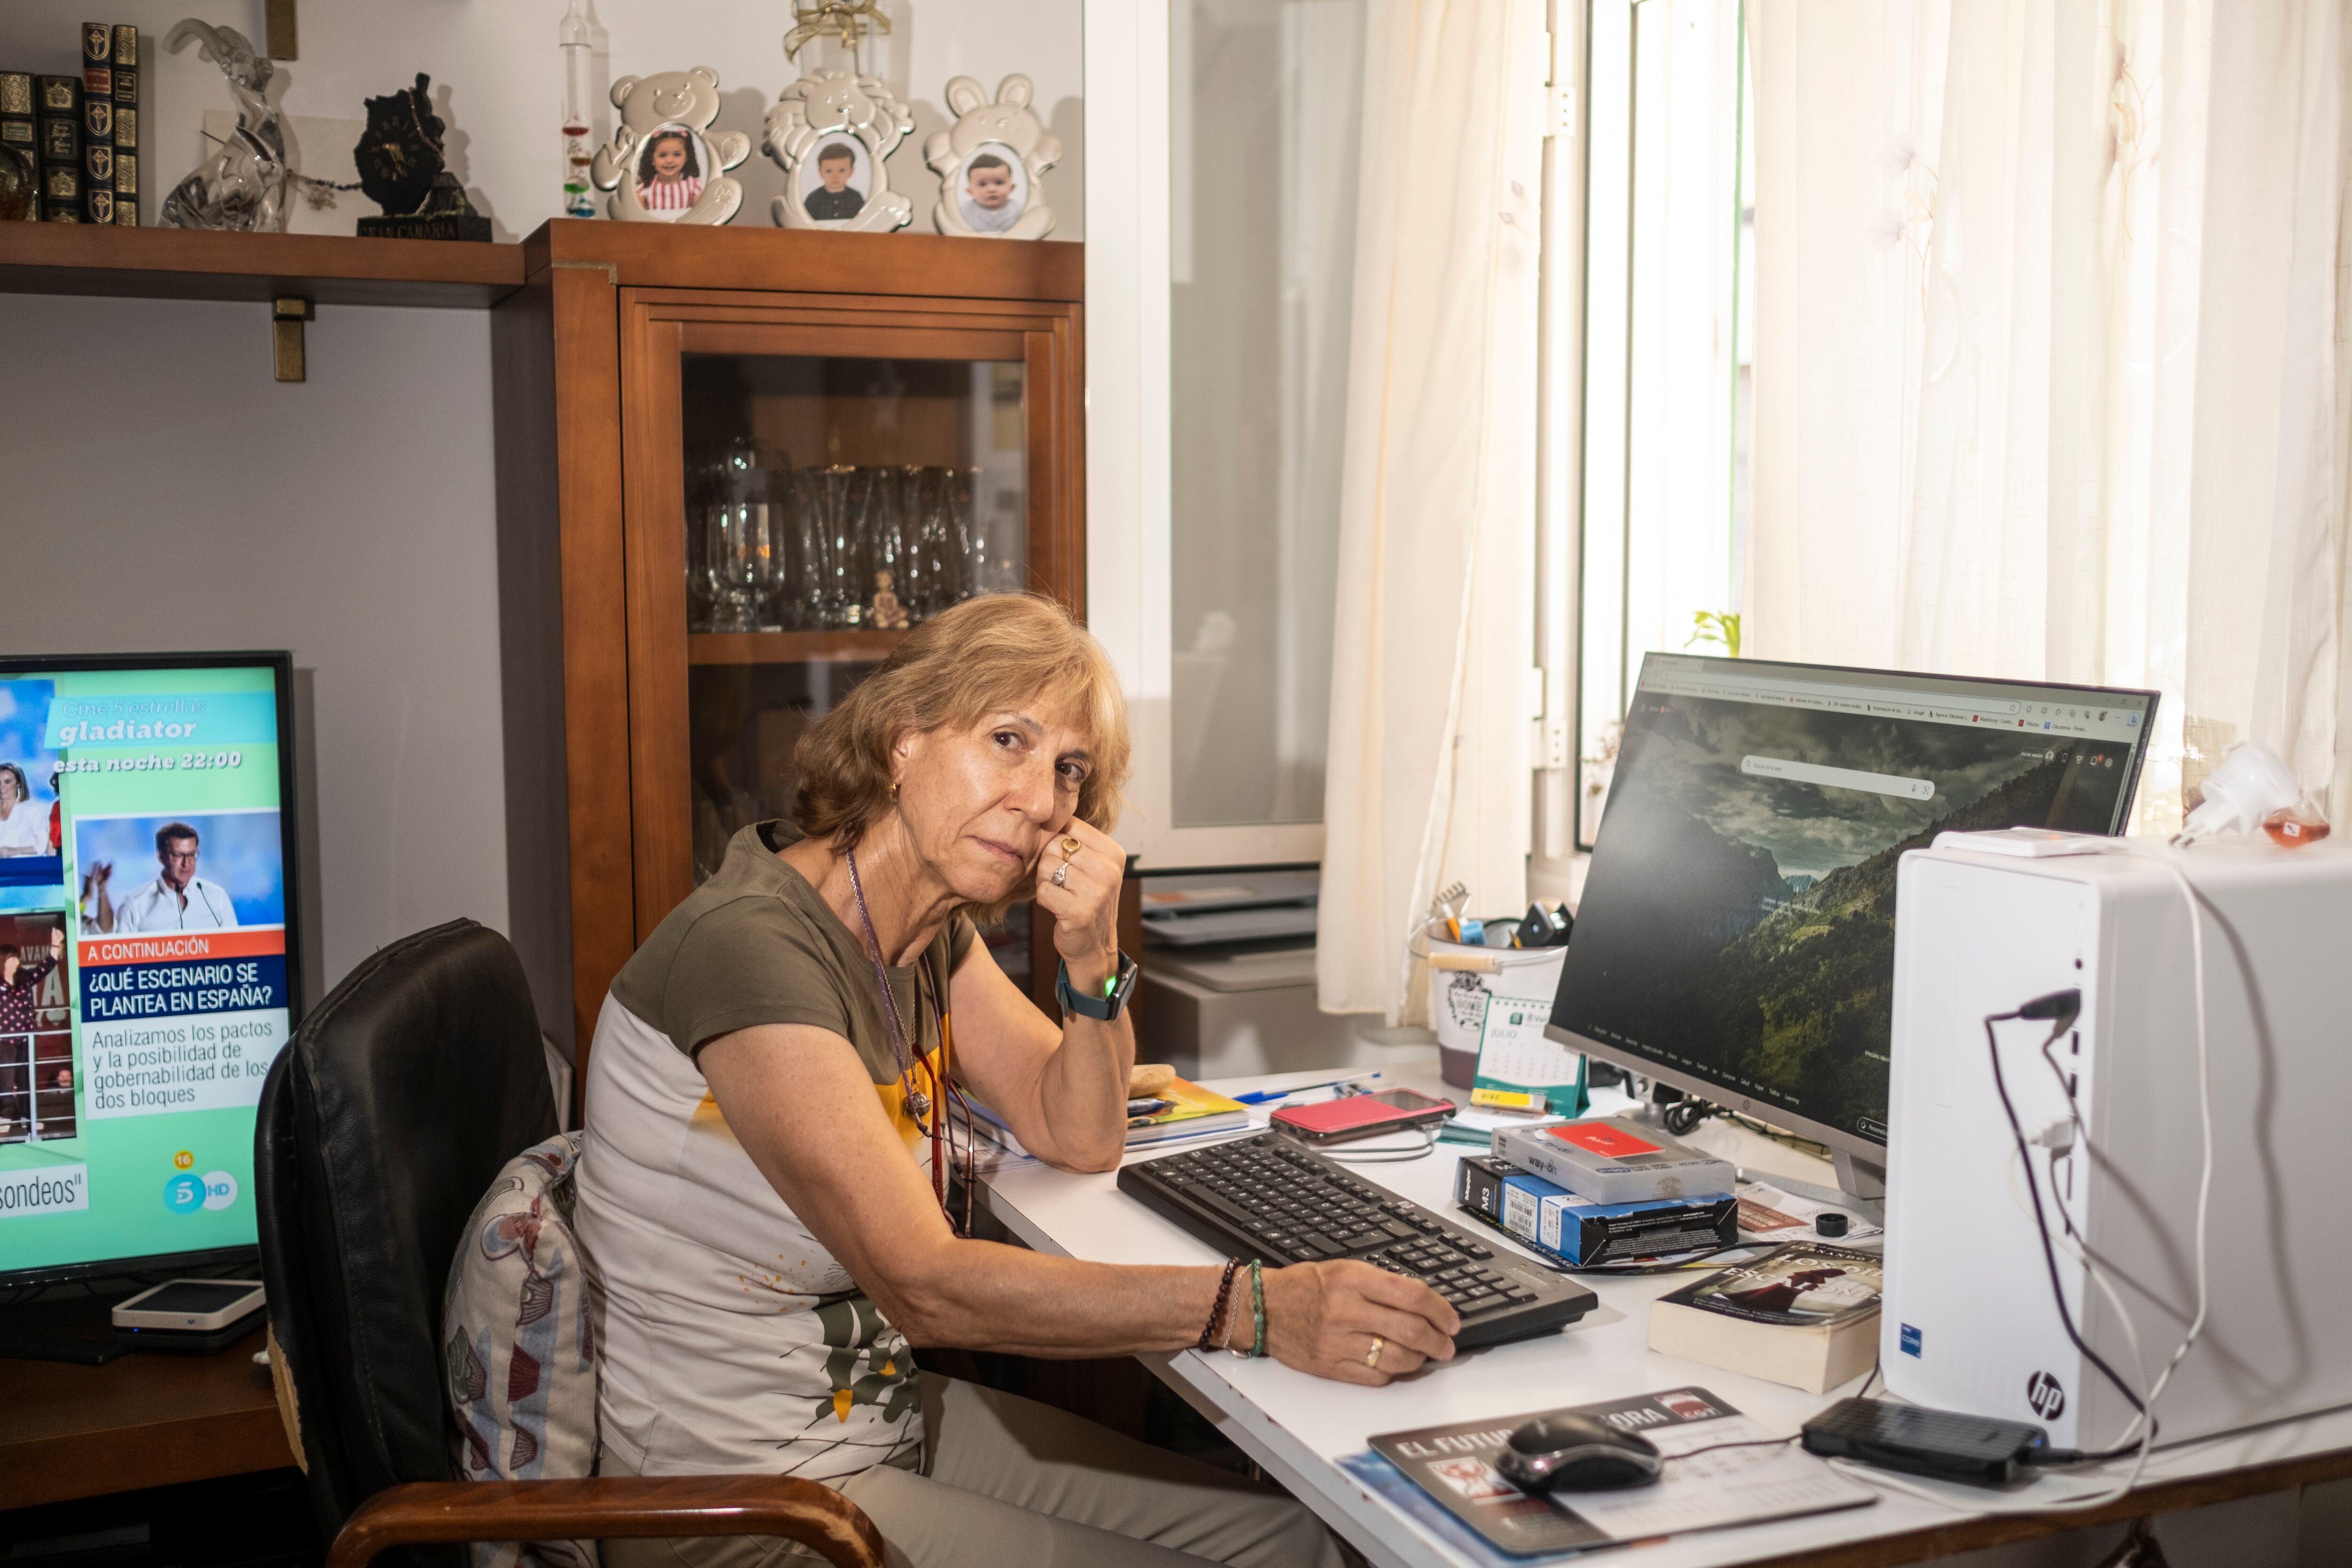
961	665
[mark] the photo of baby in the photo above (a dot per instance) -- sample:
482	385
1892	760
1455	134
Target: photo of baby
670	171
995	188
834	182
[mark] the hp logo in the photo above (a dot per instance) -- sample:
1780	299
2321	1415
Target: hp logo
2042	1393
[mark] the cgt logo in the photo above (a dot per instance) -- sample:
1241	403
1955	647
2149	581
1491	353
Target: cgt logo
2044	1392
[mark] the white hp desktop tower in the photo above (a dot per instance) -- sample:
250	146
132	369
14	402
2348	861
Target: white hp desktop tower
1969	1321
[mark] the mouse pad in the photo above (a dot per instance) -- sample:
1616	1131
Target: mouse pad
1454	1464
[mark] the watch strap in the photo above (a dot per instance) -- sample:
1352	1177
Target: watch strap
1105	1008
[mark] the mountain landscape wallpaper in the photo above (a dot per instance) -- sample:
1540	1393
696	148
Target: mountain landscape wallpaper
1742	926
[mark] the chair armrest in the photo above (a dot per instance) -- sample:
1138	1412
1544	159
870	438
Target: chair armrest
609	1506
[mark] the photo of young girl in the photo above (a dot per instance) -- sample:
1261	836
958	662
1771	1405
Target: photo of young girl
670	171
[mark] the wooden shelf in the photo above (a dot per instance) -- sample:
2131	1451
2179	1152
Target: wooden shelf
792	647
192	264
338	269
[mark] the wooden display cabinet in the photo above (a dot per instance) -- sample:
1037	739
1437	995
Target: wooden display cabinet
710	444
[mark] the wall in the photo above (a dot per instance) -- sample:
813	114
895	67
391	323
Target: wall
163	491
498	81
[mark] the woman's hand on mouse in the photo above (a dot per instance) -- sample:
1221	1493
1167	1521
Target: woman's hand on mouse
1323	1318
1085	903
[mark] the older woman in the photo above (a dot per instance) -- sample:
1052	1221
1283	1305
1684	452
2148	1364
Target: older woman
761	1186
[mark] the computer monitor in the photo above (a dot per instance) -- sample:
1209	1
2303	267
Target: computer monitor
1735	939
148	949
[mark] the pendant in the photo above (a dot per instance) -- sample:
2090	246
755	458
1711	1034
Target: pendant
919	1104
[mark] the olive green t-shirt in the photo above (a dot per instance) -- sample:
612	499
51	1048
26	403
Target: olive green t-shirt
756	944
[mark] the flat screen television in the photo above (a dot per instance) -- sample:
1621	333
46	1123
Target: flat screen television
149	962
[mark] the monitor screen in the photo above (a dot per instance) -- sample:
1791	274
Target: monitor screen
1735	937
147	954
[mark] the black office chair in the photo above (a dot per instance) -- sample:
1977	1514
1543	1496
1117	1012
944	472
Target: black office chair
384	1123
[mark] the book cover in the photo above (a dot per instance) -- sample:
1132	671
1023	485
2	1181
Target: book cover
1454	1464
17	121
98	119
1192	1110
96	44
1804	1314
1614	1161
126	45
58	101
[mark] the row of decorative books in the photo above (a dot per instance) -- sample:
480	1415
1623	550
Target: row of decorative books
1609	1194
81	132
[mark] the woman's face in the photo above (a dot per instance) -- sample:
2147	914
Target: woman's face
980	803
9	792
9	969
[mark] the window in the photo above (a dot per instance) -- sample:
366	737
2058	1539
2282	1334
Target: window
1647	346
1266	102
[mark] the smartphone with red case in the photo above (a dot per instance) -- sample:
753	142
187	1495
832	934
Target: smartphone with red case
1357	1116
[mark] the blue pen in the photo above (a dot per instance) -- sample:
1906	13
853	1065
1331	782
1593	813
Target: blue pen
1262	1096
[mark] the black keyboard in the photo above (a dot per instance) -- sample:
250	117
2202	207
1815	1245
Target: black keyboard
1267	1198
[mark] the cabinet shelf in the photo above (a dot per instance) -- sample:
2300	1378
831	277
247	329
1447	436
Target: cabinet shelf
792	647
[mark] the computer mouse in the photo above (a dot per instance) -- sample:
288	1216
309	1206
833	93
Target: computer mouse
1577	1454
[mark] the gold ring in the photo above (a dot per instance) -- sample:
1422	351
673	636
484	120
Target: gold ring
1373	1356
1070	848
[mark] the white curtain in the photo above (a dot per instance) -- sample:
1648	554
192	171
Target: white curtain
1429	777
2046	364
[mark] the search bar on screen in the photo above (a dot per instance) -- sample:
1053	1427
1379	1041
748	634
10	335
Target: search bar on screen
1838	778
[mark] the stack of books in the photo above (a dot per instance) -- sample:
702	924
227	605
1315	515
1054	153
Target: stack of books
83	129
1182	1110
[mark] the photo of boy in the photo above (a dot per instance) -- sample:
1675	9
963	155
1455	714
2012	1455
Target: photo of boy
837	197
992	198
670	171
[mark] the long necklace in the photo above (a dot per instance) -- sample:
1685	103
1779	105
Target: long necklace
917	1101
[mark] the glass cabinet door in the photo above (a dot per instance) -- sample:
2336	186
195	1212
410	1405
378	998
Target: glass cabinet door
802	490
831	504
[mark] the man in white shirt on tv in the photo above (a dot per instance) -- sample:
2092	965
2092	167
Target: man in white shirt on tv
177	899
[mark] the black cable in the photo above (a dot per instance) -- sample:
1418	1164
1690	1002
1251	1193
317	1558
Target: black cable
1718	1447
2051	1007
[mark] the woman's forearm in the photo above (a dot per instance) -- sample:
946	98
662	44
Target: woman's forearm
980	1295
1083	1093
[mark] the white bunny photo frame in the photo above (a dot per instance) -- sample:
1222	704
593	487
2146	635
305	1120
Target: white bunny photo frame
992	162
831	132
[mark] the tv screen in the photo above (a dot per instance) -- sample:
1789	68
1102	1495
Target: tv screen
148	969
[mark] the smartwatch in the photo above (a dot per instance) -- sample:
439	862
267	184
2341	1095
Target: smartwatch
1105	1008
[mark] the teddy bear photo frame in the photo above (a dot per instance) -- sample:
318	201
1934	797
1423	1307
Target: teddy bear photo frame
663	165
992	164
832	133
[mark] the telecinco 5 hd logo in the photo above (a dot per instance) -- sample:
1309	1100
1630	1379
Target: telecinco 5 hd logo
2048	1399
213	1190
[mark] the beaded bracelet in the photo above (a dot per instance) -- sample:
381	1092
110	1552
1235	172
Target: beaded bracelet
1217	1307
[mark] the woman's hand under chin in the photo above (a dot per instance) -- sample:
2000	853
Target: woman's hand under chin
1085	906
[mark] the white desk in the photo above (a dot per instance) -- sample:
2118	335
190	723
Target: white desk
1295	1426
